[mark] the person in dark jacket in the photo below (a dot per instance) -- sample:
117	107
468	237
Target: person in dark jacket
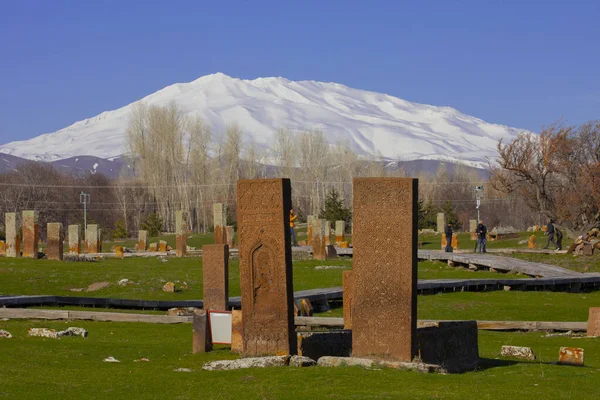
448	232
551	231
481	237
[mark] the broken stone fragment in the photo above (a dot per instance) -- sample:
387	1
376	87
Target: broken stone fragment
183	370
570	356
73	331
43	332
143	359
525	353
182	312
124	282
169	287
301	361
329	361
5	334
111	359
252	362
97	286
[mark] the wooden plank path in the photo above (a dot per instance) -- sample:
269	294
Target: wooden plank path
20	313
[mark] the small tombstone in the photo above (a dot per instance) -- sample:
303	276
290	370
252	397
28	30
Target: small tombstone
74	239
30	234
236	331
331	252
162	246
229	235
201	336
473	229
319	227
142	241
181	233
593	325
347	288
588	249
327	233
571	356
525	353
531	242
309	229
54	249
92	238
13	243
120	251
219	222
340	228
343	245
2	248
441	222
153	247
455	241
169	287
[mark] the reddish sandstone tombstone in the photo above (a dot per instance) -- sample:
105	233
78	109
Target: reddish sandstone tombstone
340	228
162	246
201	342
2	248
153	247
455	241
237	331
384	271
229	234
571	356
266	266
219	222
120	251
215	276
30	234
181	233
347	286
54	248
531	242
92	237
593	326
319	227
142	241
74	241
13	243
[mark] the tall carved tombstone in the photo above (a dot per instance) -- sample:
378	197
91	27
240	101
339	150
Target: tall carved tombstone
441	222
13	244
319	228
265	254
74	241
54	248
181	233
30	234
219	222
340	228
92	237
309	227
142	241
215	276
384	271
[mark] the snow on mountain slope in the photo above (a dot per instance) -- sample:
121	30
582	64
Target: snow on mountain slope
371	123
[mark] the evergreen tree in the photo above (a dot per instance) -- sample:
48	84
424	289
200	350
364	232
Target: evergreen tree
153	225
334	209
427	215
451	216
119	232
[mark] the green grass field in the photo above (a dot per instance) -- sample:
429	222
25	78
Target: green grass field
37	368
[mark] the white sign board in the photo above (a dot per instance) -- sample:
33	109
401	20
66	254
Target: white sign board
220	327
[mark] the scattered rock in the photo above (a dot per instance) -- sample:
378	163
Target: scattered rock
169	287
97	286
329	361
80	289
5	334
124	282
143	359
183	370
182	312
321	267
73	331
522	241
301	361
111	359
507	288
252	362
525	353
43	332
570	356
567	334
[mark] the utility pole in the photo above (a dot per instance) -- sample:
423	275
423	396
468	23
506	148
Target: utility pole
478	195
84	198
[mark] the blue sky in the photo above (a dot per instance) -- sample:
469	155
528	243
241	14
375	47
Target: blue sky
519	63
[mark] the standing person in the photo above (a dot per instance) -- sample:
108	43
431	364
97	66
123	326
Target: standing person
550	232
481	237
293	217
448	232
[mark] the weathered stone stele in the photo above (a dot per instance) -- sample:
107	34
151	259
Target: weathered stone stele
265	255
531	242
74	241
181	233
473	229
340	228
319	228
347	288
237	331
384	304
92	237
215	276
142	241
229	235
13	244
2	248
593	327
219	222
120	251
162	246
201	335
441	222
309	229
54	248
30	234
454	241
153	247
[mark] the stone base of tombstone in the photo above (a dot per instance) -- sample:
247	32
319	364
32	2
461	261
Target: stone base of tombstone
453	345
318	344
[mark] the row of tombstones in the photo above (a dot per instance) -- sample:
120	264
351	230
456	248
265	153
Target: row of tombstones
379	292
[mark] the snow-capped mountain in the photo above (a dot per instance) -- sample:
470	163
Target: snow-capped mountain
373	124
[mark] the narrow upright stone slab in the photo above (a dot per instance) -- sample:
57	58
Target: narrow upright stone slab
142	241
319	227
215	276
340	228
309	228
237	331
266	266
441	222
74	240
384	304
181	233
593	327
30	234
473	229
92	237
201	335
347	290
54	248
162	246
219	222
2	248
229	236
11	226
